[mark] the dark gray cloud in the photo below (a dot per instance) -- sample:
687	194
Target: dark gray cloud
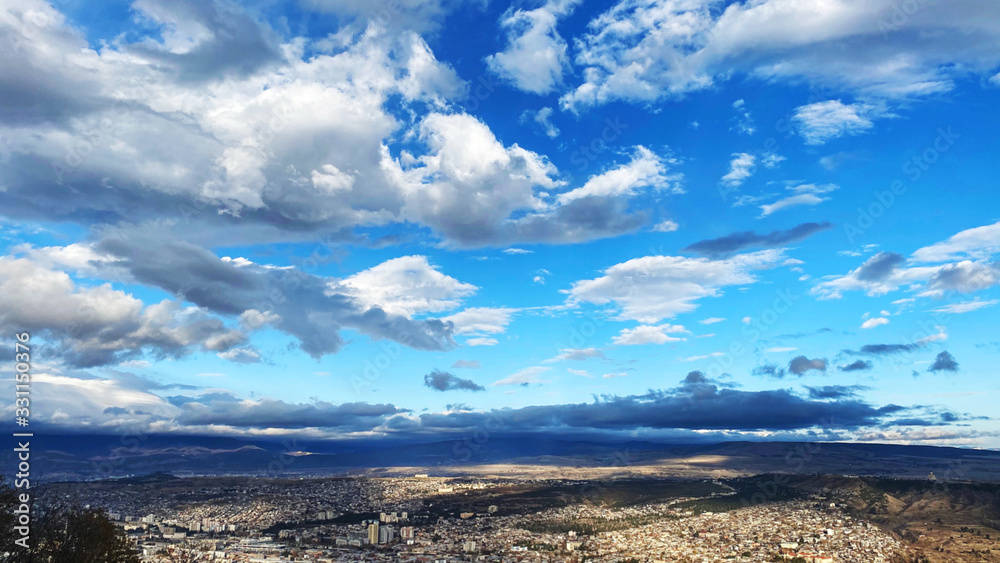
879	267
444	381
886	349
857	365
748	239
693	405
271	413
965	277
308	307
579	220
801	364
96	326
944	362
835	391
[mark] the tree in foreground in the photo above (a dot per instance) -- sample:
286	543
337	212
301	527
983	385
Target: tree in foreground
64	536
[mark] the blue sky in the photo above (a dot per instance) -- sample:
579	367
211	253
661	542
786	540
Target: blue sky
675	220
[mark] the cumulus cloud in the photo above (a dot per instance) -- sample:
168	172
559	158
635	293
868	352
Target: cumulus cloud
801	364
653	288
976	244
237	132
740	168
405	286
736	242
444	381
534	59
645	170
481	320
646	51
666	226
93	326
648	334
311	308
881	274
944	362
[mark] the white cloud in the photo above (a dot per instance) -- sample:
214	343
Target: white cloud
579	372
770	160
666	226
517	251
740	168
648	334
99	325
576	354
700	358
542	118
614	375
644	51
645	170
781	349
966	306
244	355
652	288
535	57
886	272
976	243
874	322
822	121
711	320
744	119
480	320
405	286
804	194
481	342
526	376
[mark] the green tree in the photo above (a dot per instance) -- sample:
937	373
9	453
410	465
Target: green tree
63	535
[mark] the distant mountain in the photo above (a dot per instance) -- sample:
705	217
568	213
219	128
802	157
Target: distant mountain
88	457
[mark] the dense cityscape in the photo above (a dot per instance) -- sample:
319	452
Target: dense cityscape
428	519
